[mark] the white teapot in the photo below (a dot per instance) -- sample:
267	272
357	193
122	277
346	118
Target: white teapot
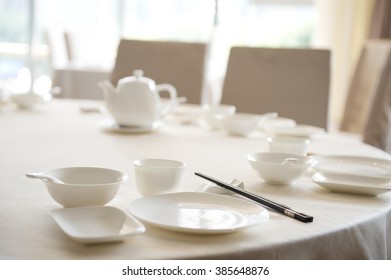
136	100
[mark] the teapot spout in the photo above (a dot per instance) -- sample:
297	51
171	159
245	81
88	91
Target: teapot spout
107	87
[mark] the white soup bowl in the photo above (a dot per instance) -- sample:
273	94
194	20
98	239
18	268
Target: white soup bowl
279	168
84	186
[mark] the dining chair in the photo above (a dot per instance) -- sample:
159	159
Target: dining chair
364	85
292	82
377	131
178	63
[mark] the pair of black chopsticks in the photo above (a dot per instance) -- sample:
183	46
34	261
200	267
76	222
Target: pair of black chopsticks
271	204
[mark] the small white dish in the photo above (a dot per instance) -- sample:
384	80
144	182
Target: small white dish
305	131
200	213
347	162
96	224
372	174
111	126
352	184
29	99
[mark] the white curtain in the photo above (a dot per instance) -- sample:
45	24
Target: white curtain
342	26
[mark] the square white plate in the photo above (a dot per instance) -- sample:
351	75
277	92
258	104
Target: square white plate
96	224
344	183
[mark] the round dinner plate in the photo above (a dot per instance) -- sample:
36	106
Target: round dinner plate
201	213
112	126
96	224
345	183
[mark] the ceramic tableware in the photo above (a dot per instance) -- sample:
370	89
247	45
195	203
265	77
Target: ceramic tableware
300	130
30	99
198	213
158	176
274	168
96	224
286	144
136	100
241	124
84	186
350	184
213	114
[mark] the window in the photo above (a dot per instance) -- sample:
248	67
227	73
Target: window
95	31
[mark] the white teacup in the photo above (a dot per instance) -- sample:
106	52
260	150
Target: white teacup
290	145
214	113
158	176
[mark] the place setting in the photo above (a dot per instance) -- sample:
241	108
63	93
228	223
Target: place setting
84	192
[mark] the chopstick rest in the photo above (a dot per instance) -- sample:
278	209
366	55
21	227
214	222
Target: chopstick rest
210	187
271	204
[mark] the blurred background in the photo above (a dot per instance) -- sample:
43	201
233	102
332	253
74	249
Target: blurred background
39	38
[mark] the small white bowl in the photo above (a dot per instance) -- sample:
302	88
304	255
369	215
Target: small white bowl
277	169
241	124
290	145
84	186
214	113
158	176
29	99
277	123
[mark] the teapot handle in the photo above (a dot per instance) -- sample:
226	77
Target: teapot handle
173	97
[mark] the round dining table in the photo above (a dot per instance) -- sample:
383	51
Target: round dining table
65	133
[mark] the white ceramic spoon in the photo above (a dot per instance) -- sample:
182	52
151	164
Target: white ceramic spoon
290	161
44	177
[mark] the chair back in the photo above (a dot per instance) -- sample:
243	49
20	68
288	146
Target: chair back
178	63
377	131
364	85
292	82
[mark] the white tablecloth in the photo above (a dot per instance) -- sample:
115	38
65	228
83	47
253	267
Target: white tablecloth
58	134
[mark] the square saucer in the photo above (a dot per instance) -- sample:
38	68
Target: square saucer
96	224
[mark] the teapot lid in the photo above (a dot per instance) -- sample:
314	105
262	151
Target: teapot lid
138	77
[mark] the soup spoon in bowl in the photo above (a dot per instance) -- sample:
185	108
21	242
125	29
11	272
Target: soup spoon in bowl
290	160
44	177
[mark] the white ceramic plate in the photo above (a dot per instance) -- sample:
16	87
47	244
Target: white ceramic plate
202	213
343	183
96	224
112	126
371	167
383	163
306	131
